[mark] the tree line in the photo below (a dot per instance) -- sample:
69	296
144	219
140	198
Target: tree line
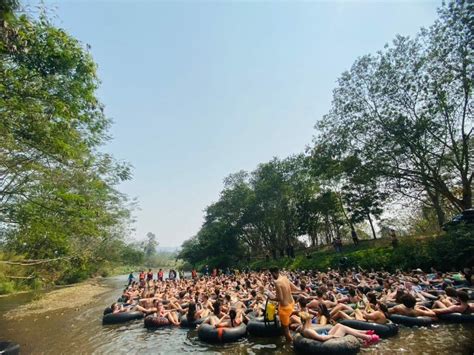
399	130
58	189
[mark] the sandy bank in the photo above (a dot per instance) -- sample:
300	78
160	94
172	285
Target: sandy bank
73	296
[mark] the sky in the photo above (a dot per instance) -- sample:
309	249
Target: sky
198	90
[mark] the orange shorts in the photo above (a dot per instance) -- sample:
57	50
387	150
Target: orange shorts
284	312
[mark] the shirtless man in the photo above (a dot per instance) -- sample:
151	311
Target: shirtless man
284	288
463	307
409	308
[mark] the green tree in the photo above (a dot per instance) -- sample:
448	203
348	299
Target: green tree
57	191
150	245
407	111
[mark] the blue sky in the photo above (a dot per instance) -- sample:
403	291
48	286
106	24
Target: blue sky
201	89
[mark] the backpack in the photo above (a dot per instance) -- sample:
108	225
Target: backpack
270	312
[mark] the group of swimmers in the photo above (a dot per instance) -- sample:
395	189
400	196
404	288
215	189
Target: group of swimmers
304	298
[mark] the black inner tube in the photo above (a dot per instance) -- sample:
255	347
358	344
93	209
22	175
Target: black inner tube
156	322
382	330
457	318
121	317
9	348
210	334
411	321
345	345
257	327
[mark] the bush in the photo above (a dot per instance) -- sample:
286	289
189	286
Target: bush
7	287
450	251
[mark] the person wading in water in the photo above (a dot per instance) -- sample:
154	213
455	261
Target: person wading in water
284	288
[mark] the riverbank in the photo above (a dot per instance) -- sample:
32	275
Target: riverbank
448	251
20	284
68	297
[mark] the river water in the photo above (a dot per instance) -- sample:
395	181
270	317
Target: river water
81	331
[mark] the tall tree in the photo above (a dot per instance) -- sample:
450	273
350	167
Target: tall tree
407	111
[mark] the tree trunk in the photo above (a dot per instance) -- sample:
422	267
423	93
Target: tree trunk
467	194
436	201
371	225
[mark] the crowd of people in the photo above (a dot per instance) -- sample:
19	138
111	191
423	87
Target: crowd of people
304	298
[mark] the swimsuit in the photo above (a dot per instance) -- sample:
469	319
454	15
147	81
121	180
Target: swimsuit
284	312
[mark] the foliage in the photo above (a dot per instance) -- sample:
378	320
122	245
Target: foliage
406	112
449	252
399	131
58	197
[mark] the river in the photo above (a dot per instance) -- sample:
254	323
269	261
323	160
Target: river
80	330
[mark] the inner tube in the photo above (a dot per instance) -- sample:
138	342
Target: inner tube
383	330
252	315
9	348
347	344
411	321
121	317
427	304
210	334
257	327
186	324
457	317
156	322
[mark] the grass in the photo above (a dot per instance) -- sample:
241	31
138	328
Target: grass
452	250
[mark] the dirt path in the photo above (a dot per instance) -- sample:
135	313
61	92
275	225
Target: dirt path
69	297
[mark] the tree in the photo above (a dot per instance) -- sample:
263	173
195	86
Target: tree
58	194
150	245
407	111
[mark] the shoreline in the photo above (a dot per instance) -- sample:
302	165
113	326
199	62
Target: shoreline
67	297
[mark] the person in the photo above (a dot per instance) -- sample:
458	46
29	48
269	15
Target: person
393	236
231	320
409	308
338	244
284	288
141	278
193	274
193	314
206	270
463	307
149	276
216	316
337	331
172	274
378	315
355	238
168	314
131	278
160	275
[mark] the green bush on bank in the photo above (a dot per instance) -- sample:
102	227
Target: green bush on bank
449	251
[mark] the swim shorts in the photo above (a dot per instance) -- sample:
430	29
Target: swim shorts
284	312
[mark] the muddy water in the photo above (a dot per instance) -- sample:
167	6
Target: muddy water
81	331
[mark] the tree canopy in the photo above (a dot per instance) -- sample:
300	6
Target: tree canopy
58	195
399	129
